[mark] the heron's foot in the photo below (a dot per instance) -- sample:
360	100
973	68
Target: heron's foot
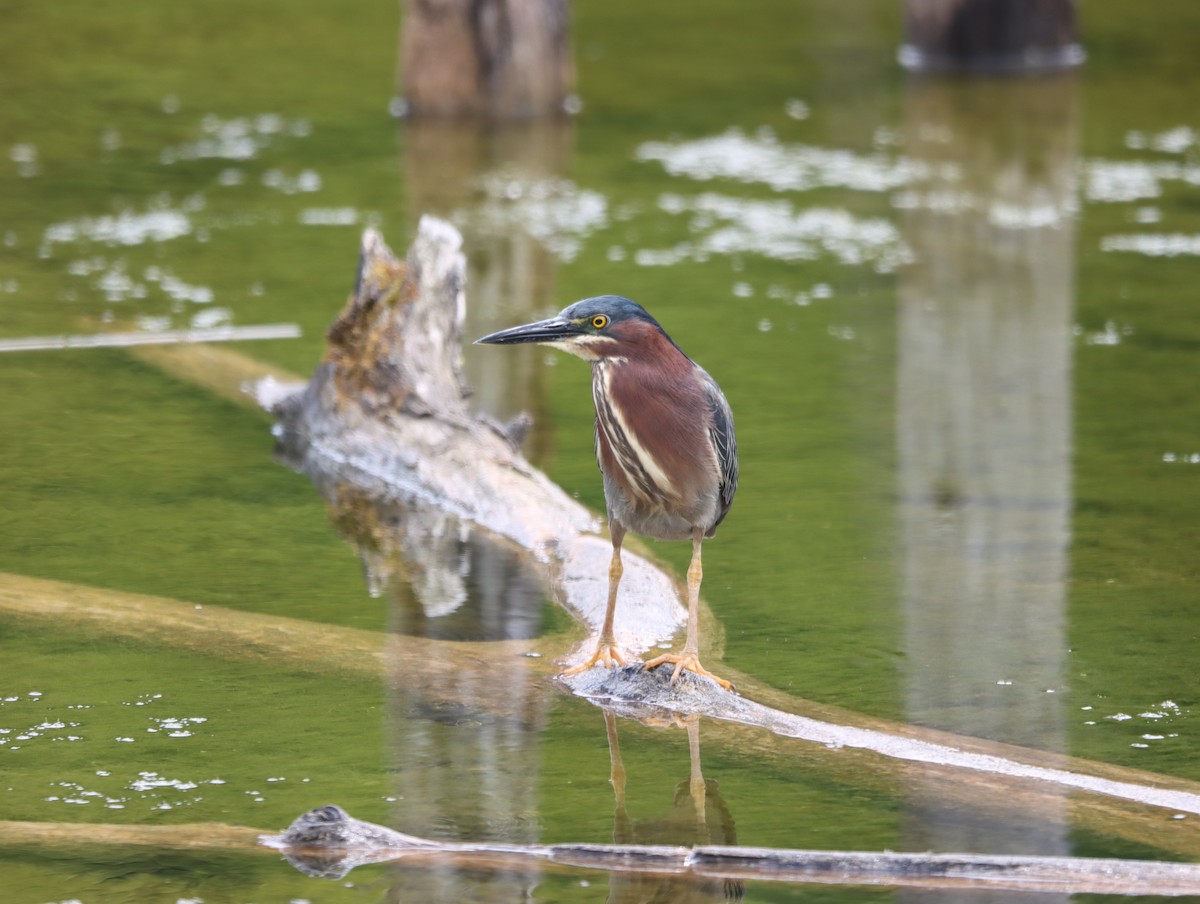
690	662
607	656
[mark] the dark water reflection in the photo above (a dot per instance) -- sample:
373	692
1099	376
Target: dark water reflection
984	430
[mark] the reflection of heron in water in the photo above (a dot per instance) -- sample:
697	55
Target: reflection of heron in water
698	816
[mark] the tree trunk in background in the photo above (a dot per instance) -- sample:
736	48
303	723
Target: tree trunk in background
503	59
991	35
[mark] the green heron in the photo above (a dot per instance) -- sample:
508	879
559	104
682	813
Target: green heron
664	444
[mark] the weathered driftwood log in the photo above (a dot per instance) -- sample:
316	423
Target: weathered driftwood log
387	411
991	35
329	842
503	59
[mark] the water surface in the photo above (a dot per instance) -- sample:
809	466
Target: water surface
955	322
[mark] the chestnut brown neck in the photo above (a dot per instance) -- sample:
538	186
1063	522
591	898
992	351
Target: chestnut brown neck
641	342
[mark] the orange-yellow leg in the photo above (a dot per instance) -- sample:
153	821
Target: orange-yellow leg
689	657
607	654
616	766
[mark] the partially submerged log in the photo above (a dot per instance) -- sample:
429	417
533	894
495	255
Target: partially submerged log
428	666
203	836
328	842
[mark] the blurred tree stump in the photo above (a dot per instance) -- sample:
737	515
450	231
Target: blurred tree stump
498	59
991	35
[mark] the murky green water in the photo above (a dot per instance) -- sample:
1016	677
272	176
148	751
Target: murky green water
956	323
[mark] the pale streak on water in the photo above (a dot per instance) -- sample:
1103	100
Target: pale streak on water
166	337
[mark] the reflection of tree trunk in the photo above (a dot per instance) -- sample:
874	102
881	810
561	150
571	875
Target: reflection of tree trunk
489	179
984	428
462	772
459	772
991	35
492	58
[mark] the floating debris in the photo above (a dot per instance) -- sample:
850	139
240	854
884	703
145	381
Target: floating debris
240	138
1153	244
305	181
1172	141
1134	180
166	337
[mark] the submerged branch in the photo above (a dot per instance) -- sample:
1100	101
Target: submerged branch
340	652
856	750
142	338
329	842
210	836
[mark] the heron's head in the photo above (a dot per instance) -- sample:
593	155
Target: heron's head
602	327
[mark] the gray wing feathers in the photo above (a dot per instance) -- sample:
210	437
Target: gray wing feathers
724	442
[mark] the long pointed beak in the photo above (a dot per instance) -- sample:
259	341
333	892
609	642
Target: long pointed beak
553	330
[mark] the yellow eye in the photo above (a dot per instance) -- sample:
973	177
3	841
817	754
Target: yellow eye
599	321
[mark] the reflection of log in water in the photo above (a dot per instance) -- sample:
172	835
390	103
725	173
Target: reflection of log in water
463	769
446	581
984	428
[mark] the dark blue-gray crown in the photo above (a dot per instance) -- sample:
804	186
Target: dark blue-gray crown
615	307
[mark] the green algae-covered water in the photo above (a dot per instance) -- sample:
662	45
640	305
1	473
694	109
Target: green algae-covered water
956	321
